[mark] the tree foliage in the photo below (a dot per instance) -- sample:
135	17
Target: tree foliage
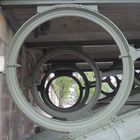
65	85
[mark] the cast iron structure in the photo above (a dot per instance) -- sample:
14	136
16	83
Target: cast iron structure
80	122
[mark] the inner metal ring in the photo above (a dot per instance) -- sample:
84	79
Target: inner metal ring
48	101
115	89
98	119
74	115
82	96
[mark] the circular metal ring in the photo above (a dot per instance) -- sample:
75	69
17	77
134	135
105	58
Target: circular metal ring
79	103
76	113
99	119
48	101
118	81
114	88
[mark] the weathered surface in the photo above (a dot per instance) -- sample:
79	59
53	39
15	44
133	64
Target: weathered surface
13	124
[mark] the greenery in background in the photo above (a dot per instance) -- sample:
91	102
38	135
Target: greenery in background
62	87
105	87
64	84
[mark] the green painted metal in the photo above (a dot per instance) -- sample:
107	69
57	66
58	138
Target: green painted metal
81	112
125	127
98	119
135	53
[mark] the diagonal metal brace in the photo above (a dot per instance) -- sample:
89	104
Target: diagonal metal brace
135	53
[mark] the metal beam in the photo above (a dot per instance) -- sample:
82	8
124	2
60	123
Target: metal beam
52	2
123	128
44	45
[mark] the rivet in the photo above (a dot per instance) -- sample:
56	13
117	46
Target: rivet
122	121
114	118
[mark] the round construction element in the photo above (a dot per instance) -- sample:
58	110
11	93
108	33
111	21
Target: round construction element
47	99
113	88
81	111
102	117
83	96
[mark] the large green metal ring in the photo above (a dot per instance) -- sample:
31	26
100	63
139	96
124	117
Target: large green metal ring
98	119
80	102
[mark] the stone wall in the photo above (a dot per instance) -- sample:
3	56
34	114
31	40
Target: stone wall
13	124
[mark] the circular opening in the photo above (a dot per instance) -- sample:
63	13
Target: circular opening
79	109
64	92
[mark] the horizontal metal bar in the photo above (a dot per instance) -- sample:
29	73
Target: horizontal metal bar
127	103
43	45
48	2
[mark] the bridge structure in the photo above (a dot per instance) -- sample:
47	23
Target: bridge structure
95	44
